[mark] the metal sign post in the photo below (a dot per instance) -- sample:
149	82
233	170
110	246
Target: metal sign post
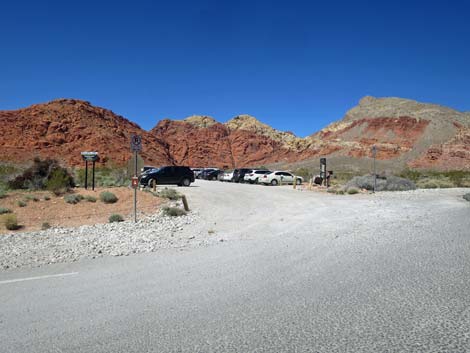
374	154
323	170
136	146
90	157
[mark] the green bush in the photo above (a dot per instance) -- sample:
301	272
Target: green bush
21	203
11	223
47	197
352	191
4	210
90	198
43	174
45	226
3	193
73	198
173	211
116	218
108	197
59	182
170	194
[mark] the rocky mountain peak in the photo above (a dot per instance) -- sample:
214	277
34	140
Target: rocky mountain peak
248	123
202	121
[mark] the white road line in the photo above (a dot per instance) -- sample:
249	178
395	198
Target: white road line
38	277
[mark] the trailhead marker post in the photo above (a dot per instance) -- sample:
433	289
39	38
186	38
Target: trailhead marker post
136	146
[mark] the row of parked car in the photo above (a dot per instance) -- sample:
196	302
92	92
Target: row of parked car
184	176
245	175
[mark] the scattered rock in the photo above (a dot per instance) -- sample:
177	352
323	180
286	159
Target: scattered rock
386	183
57	245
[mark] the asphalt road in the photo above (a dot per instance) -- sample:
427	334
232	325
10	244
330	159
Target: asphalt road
296	272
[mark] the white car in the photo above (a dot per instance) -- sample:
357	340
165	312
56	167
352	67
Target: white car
255	175
227	176
280	177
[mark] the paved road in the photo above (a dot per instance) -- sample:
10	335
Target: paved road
297	272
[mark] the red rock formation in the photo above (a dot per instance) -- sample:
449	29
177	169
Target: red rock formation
63	128
452	155
405	131
393	136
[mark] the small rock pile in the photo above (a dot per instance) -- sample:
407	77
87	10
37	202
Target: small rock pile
383	183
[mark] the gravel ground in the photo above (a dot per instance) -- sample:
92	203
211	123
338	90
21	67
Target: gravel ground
222	212
56	245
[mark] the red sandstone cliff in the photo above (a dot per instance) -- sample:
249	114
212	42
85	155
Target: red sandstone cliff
63	128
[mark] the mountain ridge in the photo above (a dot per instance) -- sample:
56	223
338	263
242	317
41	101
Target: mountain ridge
406	132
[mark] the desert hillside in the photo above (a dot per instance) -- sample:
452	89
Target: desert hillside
63	128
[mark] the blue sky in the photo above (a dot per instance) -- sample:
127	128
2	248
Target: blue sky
296	65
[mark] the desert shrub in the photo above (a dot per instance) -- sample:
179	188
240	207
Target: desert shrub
47	197
173	211
388	183
108	197
170	194
434	183
3	193
45	226
467	197
104	176
31	197
21	203
59	181
428	184
115	218
411	174
352	191
73	198
438	179
90	198
305	173
41	175
4	210
11	223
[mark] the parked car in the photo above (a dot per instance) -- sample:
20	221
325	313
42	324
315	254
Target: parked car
205	171
210	174
179	175
147	168
227	176
239	174
278	177
197	172
254	175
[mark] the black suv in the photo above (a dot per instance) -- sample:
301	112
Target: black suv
211	174
239	174
181	176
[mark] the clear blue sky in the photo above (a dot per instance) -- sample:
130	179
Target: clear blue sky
296	65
